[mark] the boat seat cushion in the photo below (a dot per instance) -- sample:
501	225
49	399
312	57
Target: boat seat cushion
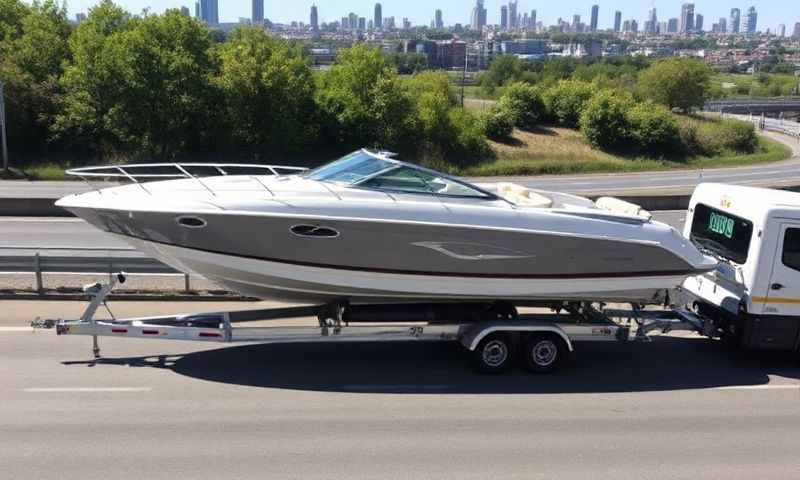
523	196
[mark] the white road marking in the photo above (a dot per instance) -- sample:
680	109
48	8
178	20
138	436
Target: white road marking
88	390
15	329
40	220
368	388
760	387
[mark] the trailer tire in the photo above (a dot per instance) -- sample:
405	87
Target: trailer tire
494	353
544	352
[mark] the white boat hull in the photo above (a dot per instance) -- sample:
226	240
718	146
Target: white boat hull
289	282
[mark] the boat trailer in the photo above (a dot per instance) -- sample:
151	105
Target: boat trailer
493	336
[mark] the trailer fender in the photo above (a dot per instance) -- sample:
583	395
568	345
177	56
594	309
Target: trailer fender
472	336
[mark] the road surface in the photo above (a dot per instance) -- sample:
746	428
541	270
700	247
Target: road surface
785	173
675	408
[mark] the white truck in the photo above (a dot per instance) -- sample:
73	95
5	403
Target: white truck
752	300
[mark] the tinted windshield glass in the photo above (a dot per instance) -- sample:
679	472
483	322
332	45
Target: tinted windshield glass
722	233
411	180
350	169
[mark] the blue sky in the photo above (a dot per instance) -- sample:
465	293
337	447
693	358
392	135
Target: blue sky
771	12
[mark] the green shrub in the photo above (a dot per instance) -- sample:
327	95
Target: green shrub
498	123
524	103
720	137
677	83
604	121
566	100
654	130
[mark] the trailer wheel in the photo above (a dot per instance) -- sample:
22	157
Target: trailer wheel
544	352
494	353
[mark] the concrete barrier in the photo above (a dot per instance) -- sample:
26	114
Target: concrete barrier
31	207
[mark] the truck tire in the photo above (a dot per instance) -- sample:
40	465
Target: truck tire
494	353
544	352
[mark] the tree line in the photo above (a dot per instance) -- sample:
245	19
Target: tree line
160	87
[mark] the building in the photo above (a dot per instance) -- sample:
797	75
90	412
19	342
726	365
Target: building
796	33
439	20
698	23
513	18
651	25
527	47
362	23
209	11
504	18
672	25
595	14
378	21
257	12
617	21
478	20
81	17
687	18
751	21
782	30
197	10
735	23
406	23
352	20
314	18
722	25
533	19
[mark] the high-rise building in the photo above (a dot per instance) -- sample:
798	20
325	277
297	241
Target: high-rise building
651	26
209	11
595	14
513	18
782	30
352	20
406	23
617	21
751	21
378	21
504	17
533	19
796	33
698	23
576	22
439	21
257	12
723	25
478	20
672	25
687	18
362	23
735	23
314	18
197	10
81	17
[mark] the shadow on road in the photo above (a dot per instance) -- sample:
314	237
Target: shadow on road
665	364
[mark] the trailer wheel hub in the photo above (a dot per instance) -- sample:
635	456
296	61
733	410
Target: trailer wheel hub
495	353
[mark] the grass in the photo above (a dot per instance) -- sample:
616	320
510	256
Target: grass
48	171
747	85
555	150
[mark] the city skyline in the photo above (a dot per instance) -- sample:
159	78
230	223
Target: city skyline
421	13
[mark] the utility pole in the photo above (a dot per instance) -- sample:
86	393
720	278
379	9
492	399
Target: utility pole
3	146
464	75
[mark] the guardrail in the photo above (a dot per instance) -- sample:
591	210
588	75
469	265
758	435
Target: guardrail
38	264
779	125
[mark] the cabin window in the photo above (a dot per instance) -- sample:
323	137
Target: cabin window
721	233
791	248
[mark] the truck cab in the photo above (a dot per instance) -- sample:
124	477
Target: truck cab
753	297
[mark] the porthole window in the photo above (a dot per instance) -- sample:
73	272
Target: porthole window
191	222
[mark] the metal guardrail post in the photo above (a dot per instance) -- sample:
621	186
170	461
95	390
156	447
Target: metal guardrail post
186	282
37	266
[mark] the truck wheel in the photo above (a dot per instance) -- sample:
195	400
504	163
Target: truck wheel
493	354
544	352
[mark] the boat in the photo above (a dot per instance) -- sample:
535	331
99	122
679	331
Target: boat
369	229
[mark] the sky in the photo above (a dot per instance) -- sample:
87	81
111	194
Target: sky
770	12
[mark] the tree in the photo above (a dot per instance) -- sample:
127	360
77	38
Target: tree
604	121
269	92
31	54
654	130
90	84
524	104
363	103
679	83
504	69
566	100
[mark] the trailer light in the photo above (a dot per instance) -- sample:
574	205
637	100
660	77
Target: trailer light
119	330
210	334
149	332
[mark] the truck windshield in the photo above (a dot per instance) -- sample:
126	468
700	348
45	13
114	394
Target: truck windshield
725	235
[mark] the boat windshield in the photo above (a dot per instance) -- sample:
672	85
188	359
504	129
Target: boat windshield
351	169
406	179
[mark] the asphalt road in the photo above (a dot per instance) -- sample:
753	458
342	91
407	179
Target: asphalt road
674	408
786	173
